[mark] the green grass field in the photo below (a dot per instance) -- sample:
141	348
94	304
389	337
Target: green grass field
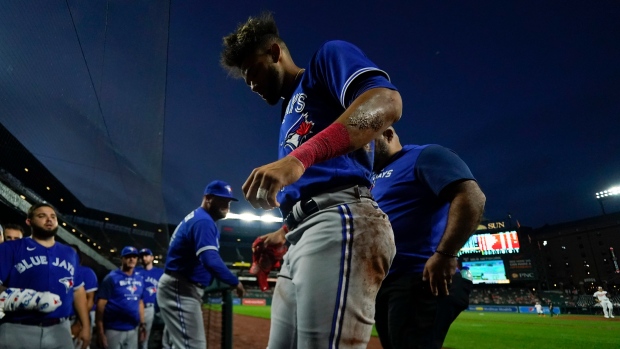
473	330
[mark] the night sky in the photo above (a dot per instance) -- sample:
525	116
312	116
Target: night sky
528	94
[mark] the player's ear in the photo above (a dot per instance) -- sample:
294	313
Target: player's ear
388	134
276	52
28	221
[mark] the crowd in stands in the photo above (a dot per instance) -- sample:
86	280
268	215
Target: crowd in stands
525	296
507	295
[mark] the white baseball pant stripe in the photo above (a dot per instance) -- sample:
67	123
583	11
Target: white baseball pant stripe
326	289
180	304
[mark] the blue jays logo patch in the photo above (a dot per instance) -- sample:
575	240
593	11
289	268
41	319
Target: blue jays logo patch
67	282
299	132
152	290
132	288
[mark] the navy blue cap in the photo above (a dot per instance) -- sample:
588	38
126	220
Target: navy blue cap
145	251
221	189
129	251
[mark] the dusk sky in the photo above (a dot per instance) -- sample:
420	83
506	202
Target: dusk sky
528	94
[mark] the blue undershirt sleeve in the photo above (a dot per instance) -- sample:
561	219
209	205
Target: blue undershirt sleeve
215	265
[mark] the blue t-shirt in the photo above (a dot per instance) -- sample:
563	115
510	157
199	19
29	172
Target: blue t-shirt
151	280
123	292
337	74
194	250
90	282
407	190
24	263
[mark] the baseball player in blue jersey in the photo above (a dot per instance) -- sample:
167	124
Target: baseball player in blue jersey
341	242
13	232
434	204
151	279
120	310
193	262
39	286
91	285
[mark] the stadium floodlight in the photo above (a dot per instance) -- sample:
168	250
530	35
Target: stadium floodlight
601	195
609	192
252	217
270	219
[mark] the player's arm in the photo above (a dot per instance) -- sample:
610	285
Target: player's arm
90	300
142	327
103	341
366	118
81	309
466	208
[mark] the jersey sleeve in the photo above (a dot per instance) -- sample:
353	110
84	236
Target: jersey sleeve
6	262
90	280
215	265
438	167
107	288
204	234
338	64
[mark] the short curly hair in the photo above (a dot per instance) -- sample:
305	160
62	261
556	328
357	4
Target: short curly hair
255	33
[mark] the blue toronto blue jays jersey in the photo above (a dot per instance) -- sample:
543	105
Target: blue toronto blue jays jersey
337	74
123	292
194	248
151	280
25	263
407	190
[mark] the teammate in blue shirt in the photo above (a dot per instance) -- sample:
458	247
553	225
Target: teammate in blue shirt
331	110
120	310
151	280
90	287
193	262
434	204
39	287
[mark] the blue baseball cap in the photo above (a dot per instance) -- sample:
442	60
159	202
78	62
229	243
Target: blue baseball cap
145	251
221	189
129	251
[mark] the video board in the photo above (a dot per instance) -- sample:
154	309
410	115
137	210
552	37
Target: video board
492	244
487	271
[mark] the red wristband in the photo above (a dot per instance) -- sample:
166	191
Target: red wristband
327	144
285	228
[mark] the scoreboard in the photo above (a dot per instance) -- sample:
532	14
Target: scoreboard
492	244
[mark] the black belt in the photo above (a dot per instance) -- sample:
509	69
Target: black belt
309	207
39	322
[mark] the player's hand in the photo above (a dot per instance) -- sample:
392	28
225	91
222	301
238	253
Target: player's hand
84	337
438	271
142	333
265	182
276	238
102	341
75	329
13	299
239	290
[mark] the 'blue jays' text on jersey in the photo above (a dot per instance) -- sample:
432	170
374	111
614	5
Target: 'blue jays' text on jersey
337	74
407	191
25	263
194	250
123	292
151	280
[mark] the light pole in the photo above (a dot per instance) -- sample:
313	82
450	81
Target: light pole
605	194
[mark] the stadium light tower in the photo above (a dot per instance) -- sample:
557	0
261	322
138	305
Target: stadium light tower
606	194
